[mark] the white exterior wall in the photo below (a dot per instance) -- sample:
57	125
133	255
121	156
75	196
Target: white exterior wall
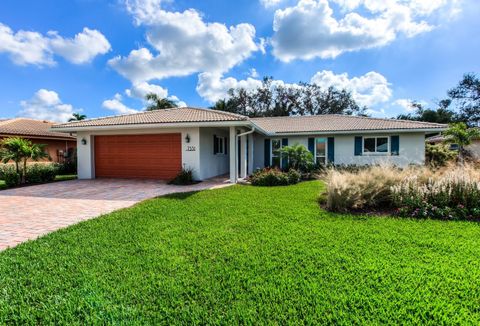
212	165
412	149
197	154
474	149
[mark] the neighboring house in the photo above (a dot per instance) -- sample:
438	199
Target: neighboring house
38	131
473	148
157	144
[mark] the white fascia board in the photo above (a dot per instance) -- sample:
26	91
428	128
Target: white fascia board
156	126
358	132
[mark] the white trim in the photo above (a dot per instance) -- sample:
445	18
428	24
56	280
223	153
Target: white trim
315	149
156	126
376	153
354	132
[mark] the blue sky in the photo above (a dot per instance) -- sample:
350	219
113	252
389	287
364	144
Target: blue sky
385	52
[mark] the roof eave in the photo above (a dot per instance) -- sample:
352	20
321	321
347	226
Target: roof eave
164	125
350	132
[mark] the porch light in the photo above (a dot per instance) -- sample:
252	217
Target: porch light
187	138
84	141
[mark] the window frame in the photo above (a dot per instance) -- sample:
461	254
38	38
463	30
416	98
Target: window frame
221	145
272	154
377	153
315	150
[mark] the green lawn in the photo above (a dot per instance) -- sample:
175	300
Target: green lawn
65	177
2	185
245	255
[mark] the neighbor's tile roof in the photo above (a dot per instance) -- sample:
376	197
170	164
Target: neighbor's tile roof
30	127
334	122
174	115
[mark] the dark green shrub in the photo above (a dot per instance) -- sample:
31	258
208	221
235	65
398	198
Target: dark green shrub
184	178
294	176
270	177
10	176
40	173
299	157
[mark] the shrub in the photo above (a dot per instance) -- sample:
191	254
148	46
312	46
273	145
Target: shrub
184	178
10	176
368	188
270	177
451	195
40	173
439	155
299	157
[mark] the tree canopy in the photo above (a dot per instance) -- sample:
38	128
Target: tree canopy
461	105
157	103
278	99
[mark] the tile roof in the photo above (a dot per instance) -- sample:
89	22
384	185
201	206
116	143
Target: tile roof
174	115
30	127
336	122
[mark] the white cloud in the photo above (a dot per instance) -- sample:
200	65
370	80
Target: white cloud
115	104
140	90
46	105
82	48
184	44
405	104
27	47
370	89
311	28
213	87
271	3
253	73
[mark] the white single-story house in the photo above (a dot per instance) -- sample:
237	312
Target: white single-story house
473	149
157	144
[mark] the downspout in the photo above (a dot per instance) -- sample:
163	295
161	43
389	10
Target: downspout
236	152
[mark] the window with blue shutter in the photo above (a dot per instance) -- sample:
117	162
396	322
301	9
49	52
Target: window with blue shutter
284	159
395	145
266	149
358	145
215	145
331	150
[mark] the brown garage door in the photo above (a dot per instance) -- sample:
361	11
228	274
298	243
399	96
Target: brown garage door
138	156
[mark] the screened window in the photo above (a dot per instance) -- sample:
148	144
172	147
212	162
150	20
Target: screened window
220	145
276	157
375	144
321	151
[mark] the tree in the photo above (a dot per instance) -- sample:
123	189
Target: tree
277	99
158	103
442	114
19	150
77	117
460	134
466	97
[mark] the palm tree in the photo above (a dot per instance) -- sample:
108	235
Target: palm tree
77	117
18	150
157	103
460	134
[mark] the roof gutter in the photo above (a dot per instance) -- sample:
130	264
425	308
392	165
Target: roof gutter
355	132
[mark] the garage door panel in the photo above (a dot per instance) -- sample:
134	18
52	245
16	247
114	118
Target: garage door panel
138	156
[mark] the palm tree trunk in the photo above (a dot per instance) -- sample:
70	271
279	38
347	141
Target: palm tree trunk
24	172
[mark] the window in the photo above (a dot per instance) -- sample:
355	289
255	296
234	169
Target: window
276	156
321	151
219	145
376	145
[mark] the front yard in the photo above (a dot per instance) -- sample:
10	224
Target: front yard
245	255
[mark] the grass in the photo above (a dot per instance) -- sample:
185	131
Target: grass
245	255
2	185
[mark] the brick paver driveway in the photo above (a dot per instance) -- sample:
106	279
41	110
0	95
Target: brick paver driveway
29	212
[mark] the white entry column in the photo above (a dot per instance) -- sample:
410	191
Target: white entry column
233	154
243	157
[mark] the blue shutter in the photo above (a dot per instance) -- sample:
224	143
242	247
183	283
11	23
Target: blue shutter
311	145
331	150
395	145
266	149
215	145
284	159
226	140
358	145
